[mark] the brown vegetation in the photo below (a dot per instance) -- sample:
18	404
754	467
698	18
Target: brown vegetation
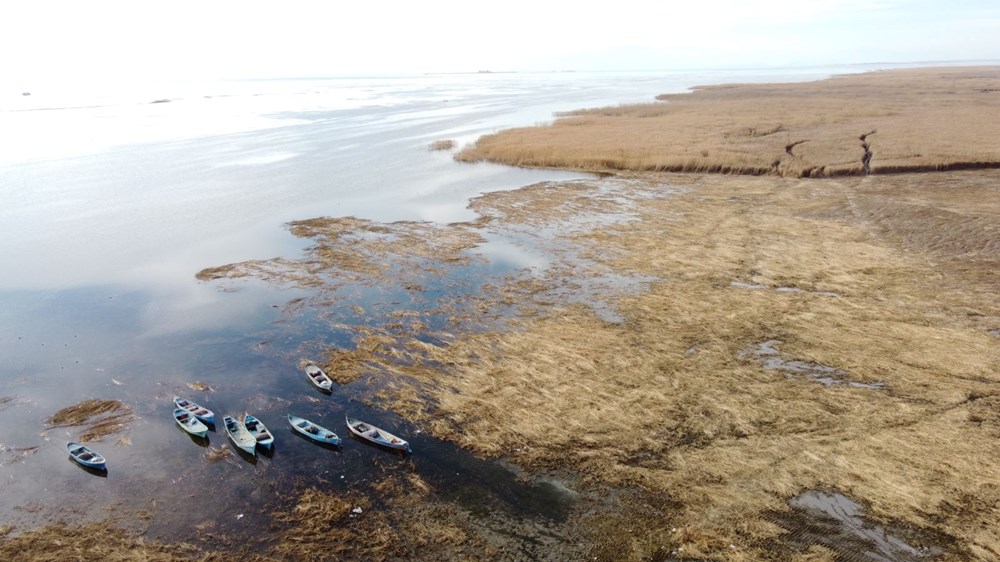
442	145
887	281
351	250
99	418
696	406
402	522
882	122
97	541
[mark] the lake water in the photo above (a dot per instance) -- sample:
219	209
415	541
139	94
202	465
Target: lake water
112	197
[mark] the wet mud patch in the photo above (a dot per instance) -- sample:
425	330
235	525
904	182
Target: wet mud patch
770	358
836	523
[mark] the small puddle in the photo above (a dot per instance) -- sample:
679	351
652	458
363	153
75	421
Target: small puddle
835	521
995	332
770	358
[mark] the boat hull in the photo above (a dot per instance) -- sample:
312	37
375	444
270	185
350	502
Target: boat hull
190	423
86	457
239	435
318	378
321	434
377	436
203	414
256	428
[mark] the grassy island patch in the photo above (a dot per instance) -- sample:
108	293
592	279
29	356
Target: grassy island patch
879	122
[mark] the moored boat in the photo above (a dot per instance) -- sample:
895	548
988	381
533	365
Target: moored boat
190	423
313	431
318	377
202	413
86	456
239	435
376	435
256	428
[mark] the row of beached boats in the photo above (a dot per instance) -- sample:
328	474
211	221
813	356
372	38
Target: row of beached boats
250	432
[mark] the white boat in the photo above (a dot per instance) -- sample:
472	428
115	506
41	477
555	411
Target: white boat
318	377
203	414
377	436
190	423
239	435
313	431
257	429
86	456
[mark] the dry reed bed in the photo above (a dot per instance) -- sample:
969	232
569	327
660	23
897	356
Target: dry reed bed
666	401
402	521
897	284
908	120
103	541
98	418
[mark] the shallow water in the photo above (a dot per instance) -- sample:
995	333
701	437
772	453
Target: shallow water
110	204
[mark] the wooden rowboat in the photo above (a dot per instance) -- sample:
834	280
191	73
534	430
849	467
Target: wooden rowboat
318	377
313	431
203	414
260	433
190	423
239	435
377	436
86	456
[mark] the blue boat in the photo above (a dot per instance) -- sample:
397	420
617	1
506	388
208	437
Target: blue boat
257	429
203	414
86	456
190	423
313	431
239	435
376	435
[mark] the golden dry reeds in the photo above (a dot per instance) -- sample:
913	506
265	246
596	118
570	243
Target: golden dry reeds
352	250
98	541
699	406
882	122
446	144
887	281
401	522
99	418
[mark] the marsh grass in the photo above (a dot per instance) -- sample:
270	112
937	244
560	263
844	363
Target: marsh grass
446	144
98	541
98	418
906	120
401	520
350	250
896	286
889	280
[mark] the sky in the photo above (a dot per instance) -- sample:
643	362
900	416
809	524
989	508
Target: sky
47	40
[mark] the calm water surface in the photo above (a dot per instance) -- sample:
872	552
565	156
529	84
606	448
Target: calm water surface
109	204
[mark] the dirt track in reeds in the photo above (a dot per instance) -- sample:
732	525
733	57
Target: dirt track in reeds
882	122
